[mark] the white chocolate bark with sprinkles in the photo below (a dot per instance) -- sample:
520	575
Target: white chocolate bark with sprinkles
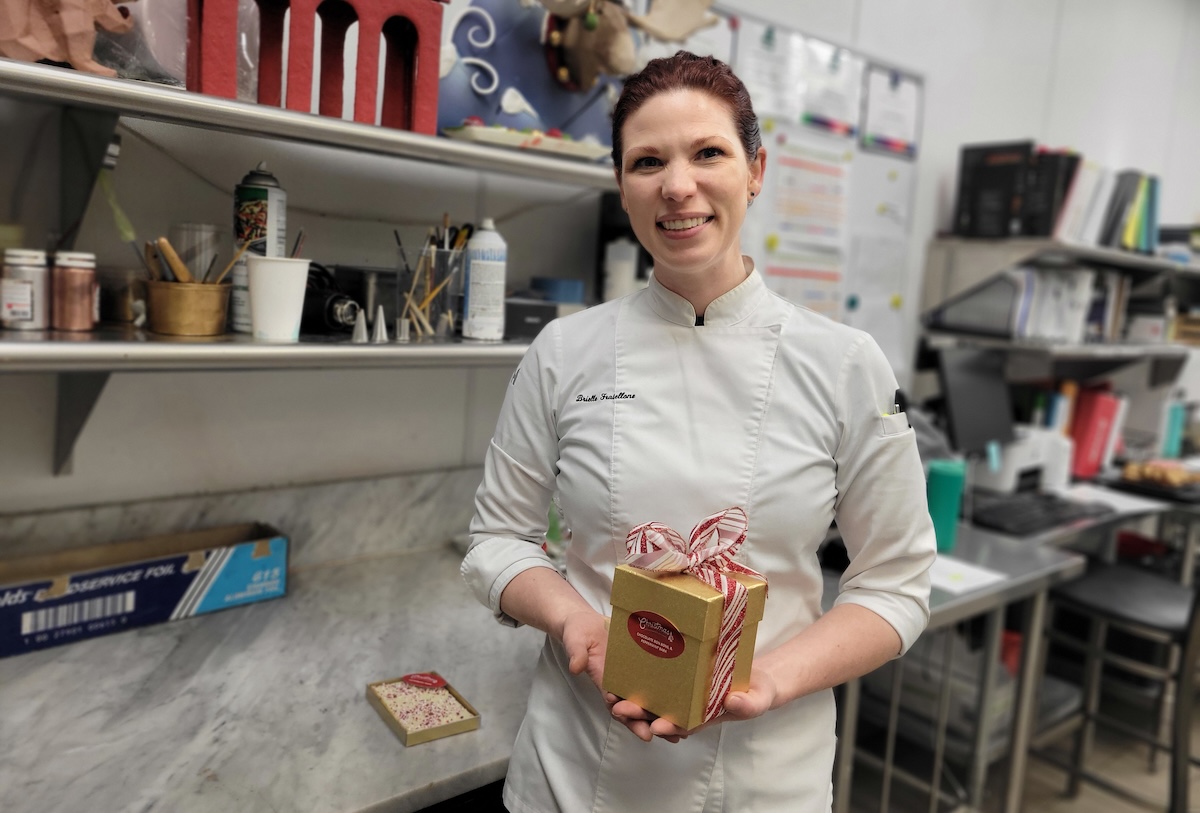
420	707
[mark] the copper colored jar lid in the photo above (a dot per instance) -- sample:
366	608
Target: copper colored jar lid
75	259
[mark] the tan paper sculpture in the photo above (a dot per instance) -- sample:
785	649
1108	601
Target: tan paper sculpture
59	30
675	20
587	38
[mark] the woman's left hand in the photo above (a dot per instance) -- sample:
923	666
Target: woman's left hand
758	698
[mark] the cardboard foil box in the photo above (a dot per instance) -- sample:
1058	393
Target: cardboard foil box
78	594
662	641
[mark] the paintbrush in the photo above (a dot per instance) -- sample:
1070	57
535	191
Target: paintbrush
430	296
167	252
150	260
232	262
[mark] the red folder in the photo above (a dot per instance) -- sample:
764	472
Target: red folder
1095	421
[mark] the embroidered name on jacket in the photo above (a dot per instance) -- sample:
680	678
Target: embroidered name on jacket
606	396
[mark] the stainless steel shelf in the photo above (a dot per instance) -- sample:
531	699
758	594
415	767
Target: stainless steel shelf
1035	361
1058	350
162	103
1049	250
120	350
83	363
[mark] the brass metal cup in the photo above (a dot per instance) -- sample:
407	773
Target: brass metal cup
187	308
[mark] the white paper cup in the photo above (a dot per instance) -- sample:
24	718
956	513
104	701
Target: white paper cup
276	296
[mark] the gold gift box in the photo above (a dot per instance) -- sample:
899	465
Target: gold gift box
662	641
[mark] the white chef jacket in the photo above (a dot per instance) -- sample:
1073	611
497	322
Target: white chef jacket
633	413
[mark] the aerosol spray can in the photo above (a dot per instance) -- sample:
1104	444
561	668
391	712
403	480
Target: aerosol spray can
483	304
260	216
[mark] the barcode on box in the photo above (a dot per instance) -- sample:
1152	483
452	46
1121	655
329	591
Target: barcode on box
65	615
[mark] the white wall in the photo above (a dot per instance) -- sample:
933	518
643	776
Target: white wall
1117	79
1181	194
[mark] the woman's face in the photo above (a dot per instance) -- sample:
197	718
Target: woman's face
685	183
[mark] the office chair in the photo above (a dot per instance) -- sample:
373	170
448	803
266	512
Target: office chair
1148	606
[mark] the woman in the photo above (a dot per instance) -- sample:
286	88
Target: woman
712	392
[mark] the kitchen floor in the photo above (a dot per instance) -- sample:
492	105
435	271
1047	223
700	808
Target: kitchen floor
1117	758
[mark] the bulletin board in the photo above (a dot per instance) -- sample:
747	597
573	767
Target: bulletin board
832	228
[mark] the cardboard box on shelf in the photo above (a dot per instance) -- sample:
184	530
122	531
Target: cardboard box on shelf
421	706
59	598
662	641
524	318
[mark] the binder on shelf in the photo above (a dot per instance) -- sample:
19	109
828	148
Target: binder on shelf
1069	297
992	182
1050	179
1017	189
1113	209
1150	233
1118	208
1114	436
1064	406
1077	204
1091	430
1131	230
1098	207
1060	405
1106	315
1174	423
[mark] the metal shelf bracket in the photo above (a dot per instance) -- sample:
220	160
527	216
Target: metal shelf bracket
77	397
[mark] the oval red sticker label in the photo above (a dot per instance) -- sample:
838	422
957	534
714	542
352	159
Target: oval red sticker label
427	679
655	634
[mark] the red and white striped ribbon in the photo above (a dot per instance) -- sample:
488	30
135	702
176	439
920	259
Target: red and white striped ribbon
708	555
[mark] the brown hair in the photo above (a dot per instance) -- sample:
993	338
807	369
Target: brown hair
682	71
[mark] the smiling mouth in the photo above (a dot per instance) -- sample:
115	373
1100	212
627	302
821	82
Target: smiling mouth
686	223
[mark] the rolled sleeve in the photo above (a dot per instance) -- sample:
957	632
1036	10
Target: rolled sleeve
881	508
519	470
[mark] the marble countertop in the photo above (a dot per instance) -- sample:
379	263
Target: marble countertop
263	707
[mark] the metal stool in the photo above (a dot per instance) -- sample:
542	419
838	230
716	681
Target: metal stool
1150	607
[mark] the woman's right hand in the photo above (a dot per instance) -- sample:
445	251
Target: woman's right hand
540	597
585	638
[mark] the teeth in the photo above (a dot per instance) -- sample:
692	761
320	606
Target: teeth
691	222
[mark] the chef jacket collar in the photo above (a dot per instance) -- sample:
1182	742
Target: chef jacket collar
729	308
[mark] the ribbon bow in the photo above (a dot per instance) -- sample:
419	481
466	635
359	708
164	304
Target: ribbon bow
708	555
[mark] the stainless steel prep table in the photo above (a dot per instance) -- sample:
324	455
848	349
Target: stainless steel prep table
1032	564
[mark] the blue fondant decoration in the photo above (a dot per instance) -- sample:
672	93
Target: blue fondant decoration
519	61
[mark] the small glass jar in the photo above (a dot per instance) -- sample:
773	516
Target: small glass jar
74	296
24	290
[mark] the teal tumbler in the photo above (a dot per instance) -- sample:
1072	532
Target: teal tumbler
944	489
